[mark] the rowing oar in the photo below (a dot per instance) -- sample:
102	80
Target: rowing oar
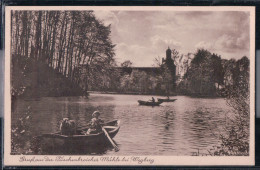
111	141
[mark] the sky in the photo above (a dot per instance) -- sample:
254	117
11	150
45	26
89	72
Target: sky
142	36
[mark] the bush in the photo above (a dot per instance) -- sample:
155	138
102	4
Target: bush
21	134
235	142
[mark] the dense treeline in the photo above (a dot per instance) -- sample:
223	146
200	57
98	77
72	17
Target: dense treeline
210	75
133	81
62	40
205	75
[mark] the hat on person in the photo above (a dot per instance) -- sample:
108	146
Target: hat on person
95	113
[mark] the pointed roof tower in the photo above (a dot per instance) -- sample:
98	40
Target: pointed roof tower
168	53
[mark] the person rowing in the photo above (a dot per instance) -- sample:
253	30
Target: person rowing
96	127
153	100
95	123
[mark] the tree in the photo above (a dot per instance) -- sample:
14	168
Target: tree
200	74
235	138
127	63
166	79
228	71
64	40
175	56
157	62
218	73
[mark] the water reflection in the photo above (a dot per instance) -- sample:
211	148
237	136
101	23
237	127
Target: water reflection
174	128
72	149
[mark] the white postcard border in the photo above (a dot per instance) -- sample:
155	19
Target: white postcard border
44	160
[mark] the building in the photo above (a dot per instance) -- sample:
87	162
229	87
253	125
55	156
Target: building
168	68
153	80
168	63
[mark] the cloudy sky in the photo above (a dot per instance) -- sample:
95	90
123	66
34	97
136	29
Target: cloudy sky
141	36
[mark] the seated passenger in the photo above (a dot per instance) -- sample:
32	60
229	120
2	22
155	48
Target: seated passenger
68	127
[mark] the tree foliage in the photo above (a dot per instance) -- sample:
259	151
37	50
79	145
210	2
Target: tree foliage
127	63
235	140
204	75
64	40
139	82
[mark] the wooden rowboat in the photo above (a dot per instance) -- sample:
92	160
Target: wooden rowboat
149	103
166	100
82	138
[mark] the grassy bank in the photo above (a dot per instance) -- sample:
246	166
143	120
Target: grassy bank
32	79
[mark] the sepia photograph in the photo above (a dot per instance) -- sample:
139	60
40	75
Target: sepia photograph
129	85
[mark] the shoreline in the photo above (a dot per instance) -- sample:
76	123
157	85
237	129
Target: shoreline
128	93
149	94
117	93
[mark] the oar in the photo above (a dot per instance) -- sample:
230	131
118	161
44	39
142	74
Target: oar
109	127
111	141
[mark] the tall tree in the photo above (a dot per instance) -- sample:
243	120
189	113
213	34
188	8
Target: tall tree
66	41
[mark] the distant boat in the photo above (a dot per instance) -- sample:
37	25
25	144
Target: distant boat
166	100
149	103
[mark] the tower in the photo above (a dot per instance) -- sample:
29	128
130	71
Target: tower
168	54
171	68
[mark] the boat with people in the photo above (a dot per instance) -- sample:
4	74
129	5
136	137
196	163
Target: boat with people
110	129
166	100
149	103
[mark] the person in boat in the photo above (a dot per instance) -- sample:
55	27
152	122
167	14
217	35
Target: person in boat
168	97
95	123
153	100
68	127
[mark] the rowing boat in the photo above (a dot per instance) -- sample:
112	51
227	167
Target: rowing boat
81	137
148	103
166	100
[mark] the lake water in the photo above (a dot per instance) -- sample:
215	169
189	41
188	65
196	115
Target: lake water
181	128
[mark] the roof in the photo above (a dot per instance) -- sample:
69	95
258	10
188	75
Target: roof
145	69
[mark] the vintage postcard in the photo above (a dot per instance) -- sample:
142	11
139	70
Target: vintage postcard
129	86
